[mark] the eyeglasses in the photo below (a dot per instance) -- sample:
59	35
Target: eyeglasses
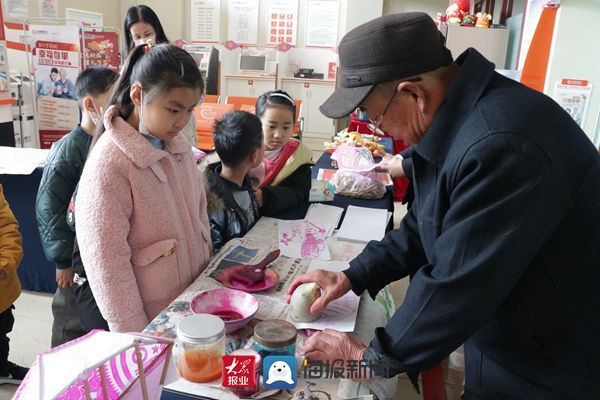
374	125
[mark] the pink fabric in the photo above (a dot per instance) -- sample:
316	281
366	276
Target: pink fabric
121	371
132	199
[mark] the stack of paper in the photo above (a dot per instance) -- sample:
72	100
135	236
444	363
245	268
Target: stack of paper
327	217
363	224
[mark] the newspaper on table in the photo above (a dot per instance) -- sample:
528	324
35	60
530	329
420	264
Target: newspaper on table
257	243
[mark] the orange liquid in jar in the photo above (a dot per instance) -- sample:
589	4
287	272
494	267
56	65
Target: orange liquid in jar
200	365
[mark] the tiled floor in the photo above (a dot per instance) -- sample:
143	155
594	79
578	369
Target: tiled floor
31	333
33	325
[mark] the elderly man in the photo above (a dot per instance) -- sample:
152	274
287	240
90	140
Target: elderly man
503	239
64	88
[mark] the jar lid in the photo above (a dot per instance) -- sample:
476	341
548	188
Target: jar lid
249	352
200	328
275	333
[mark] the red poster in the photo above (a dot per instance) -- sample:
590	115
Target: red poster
2	37
101	49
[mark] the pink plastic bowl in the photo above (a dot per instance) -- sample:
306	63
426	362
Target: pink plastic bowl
235	307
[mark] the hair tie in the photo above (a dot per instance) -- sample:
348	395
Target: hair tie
149	44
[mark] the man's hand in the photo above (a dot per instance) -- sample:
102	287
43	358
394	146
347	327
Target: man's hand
390	164
330	345
258	194
333	285
3	274
64	277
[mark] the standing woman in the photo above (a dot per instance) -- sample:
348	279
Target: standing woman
142	24
141	223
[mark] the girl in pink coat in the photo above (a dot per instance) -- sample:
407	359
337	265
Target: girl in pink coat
141	219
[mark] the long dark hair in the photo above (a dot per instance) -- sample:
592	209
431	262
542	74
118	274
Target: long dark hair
158	70
145	14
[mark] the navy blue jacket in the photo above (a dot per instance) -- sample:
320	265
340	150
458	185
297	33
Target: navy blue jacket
503	242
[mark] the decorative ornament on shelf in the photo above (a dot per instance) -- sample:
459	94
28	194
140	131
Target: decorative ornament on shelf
483	20
468	20
440	20
454	14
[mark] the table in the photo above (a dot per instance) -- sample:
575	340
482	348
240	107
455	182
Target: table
325	162
35	272
273	304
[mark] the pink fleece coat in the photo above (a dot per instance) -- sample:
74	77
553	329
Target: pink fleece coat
141	224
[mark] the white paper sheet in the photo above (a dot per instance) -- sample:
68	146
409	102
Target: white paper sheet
17	161
303	239
340	314
206	21
322	23
242	25
327	217
363	224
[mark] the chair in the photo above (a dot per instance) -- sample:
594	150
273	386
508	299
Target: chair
238	101
205	115
248	104
211	98
248	108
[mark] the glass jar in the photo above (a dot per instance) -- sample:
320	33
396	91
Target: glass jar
250	390
199	347
274	337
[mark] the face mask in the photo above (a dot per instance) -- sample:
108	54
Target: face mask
95	118
137	42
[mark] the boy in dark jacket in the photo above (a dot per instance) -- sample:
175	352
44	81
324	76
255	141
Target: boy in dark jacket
232	208
61	176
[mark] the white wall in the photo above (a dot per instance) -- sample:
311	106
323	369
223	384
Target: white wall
172	15
109	8
576	53
431	7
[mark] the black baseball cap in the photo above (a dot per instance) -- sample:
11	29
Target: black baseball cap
384	49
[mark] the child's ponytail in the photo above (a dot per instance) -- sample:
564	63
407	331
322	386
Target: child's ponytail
158	69
120	92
